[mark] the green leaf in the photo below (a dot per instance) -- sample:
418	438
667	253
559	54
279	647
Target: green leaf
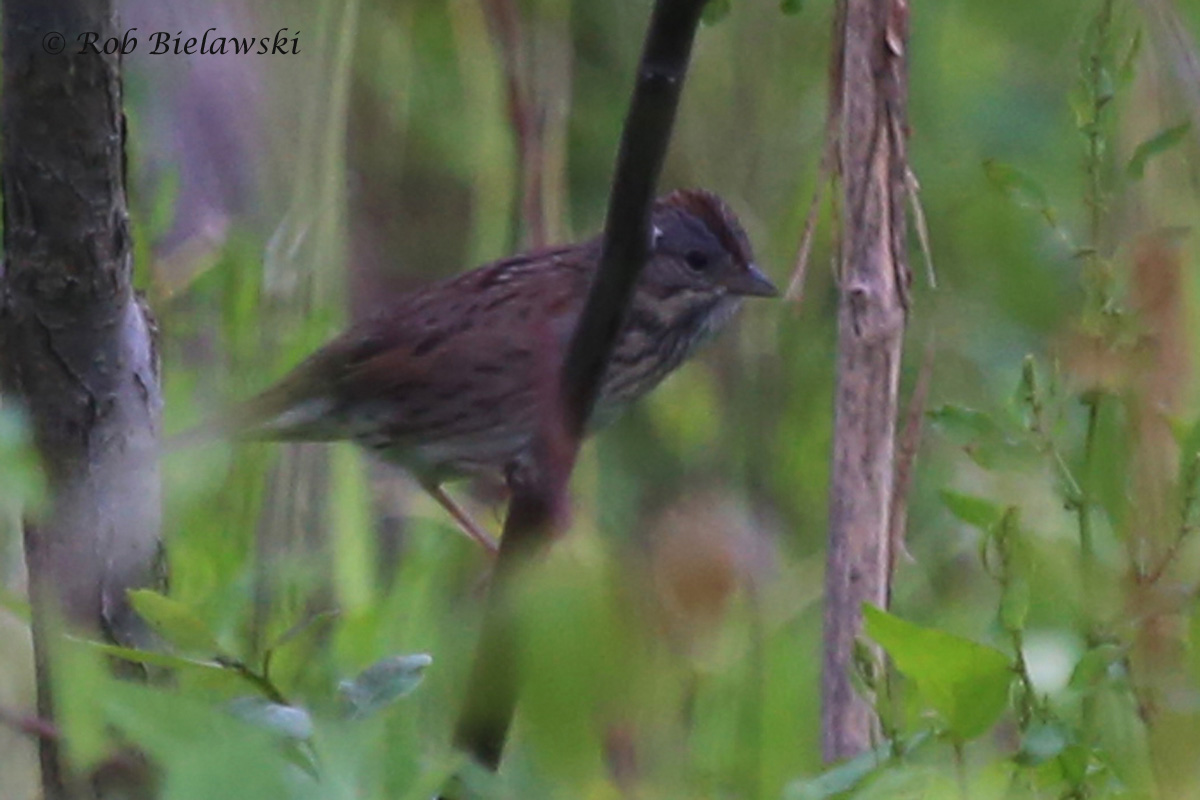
22	480
202	751
841	778
80	682
1074	762
715	11
382	683
981	437
1105	91
1042	742
1000	454
174	621
1128	69
976	511
1158	143
1016	185
152	658
1014	603
305	627
791	6
1080	101
1093	667
1193	652
853	773
291	722
963	425
1014	572
1188	439
965	682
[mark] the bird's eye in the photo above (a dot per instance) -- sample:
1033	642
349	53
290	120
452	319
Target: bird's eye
696	260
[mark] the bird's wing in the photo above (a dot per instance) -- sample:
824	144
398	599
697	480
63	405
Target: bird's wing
483	361
461	355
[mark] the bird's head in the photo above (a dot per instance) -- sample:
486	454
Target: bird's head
698	246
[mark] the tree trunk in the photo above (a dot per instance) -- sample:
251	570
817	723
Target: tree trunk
869	93
77	347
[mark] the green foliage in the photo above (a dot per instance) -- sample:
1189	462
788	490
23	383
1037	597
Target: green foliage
985	440
1077	421
284	747
966	683
1020	188
977	511
879	772
175	622
1159	143
842	778
81	684
715	11
22	486
382	683
240	759
1015	663
288	721
22	490
153	658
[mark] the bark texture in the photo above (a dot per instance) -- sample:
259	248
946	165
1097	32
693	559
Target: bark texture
76	346
868	97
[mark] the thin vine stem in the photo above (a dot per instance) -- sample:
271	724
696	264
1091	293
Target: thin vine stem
1087	544
1028	707
1087	553
1100	91
259	680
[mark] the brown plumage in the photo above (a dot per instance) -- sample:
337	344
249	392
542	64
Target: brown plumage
451	379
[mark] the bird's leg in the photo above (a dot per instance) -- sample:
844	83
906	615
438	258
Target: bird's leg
468	525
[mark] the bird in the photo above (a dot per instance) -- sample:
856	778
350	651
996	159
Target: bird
449	381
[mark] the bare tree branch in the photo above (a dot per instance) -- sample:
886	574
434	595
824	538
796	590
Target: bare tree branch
869	70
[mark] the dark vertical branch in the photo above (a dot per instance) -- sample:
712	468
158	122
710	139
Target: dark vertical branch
871	95
77	347
644	141
539	488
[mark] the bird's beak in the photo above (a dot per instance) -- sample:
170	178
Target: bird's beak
752	282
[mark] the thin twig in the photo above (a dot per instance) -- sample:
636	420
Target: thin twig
795	289
1087	556
918	215
1086	539
259	681
828	171
1040	428
524	113
907	445
1185	530
29	724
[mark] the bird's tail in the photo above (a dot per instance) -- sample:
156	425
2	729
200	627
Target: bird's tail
274	415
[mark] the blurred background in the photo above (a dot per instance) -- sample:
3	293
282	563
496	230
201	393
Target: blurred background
674	640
